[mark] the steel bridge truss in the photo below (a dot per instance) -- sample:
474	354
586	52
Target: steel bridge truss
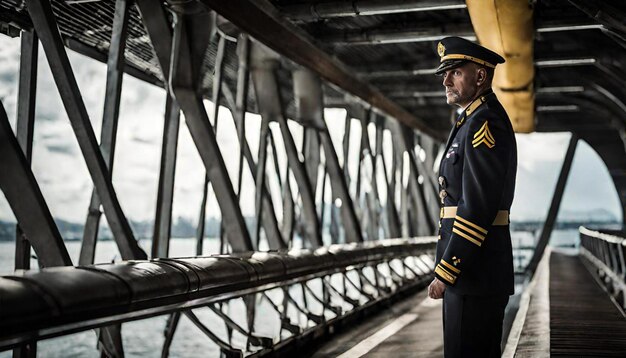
377	183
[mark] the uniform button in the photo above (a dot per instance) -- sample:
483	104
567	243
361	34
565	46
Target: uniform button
442	195
442	181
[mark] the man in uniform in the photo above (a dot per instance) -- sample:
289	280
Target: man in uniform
474	263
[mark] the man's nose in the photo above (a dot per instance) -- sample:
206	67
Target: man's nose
446	80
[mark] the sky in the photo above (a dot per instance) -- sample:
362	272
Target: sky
65	183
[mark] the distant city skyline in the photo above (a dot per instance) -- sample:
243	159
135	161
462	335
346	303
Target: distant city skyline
65	183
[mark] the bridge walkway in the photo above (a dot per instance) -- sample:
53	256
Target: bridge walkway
565	313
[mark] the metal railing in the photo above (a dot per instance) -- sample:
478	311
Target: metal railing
606	252
309	291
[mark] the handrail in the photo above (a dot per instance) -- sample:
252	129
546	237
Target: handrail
607	253
62	300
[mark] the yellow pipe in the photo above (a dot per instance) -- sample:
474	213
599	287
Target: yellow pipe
506	27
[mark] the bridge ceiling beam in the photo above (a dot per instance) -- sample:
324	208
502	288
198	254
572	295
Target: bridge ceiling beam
376	36
328	10
45	24
263	22
609	16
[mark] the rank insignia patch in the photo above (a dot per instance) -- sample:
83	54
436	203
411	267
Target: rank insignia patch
483	135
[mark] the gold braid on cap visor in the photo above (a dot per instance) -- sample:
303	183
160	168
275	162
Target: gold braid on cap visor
465	57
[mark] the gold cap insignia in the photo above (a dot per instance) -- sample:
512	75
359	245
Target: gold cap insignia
441	49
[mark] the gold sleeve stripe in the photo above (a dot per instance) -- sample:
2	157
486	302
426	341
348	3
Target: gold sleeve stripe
481	130
466	236
467	222
448	266
445	274
490	136
482	137
469	231
489	145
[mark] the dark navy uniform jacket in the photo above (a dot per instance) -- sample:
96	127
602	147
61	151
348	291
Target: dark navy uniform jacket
477	176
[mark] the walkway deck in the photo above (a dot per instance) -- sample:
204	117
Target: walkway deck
577	313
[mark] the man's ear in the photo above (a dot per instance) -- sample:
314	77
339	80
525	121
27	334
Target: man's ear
481	76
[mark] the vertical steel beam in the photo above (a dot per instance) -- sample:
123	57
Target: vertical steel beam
25	128
43	20
115	72
184	79
308	93
241	102
216	95
548	225
271	106
425	224
374	196
309	111
393	224
160	33
202	216
260	178
346	147
167	171
425	211
27	92
26	201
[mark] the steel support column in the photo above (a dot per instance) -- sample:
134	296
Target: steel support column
167	171
115	72
45	24
393	223
308	92
24	196
215	96
271	106
27	92
548	225
187	56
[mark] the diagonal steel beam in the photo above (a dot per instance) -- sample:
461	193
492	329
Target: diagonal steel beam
26	201
183	81
45	24
271	107
167	171
268	218
308	92
262	21
108	135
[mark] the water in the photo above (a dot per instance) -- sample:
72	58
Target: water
145	338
